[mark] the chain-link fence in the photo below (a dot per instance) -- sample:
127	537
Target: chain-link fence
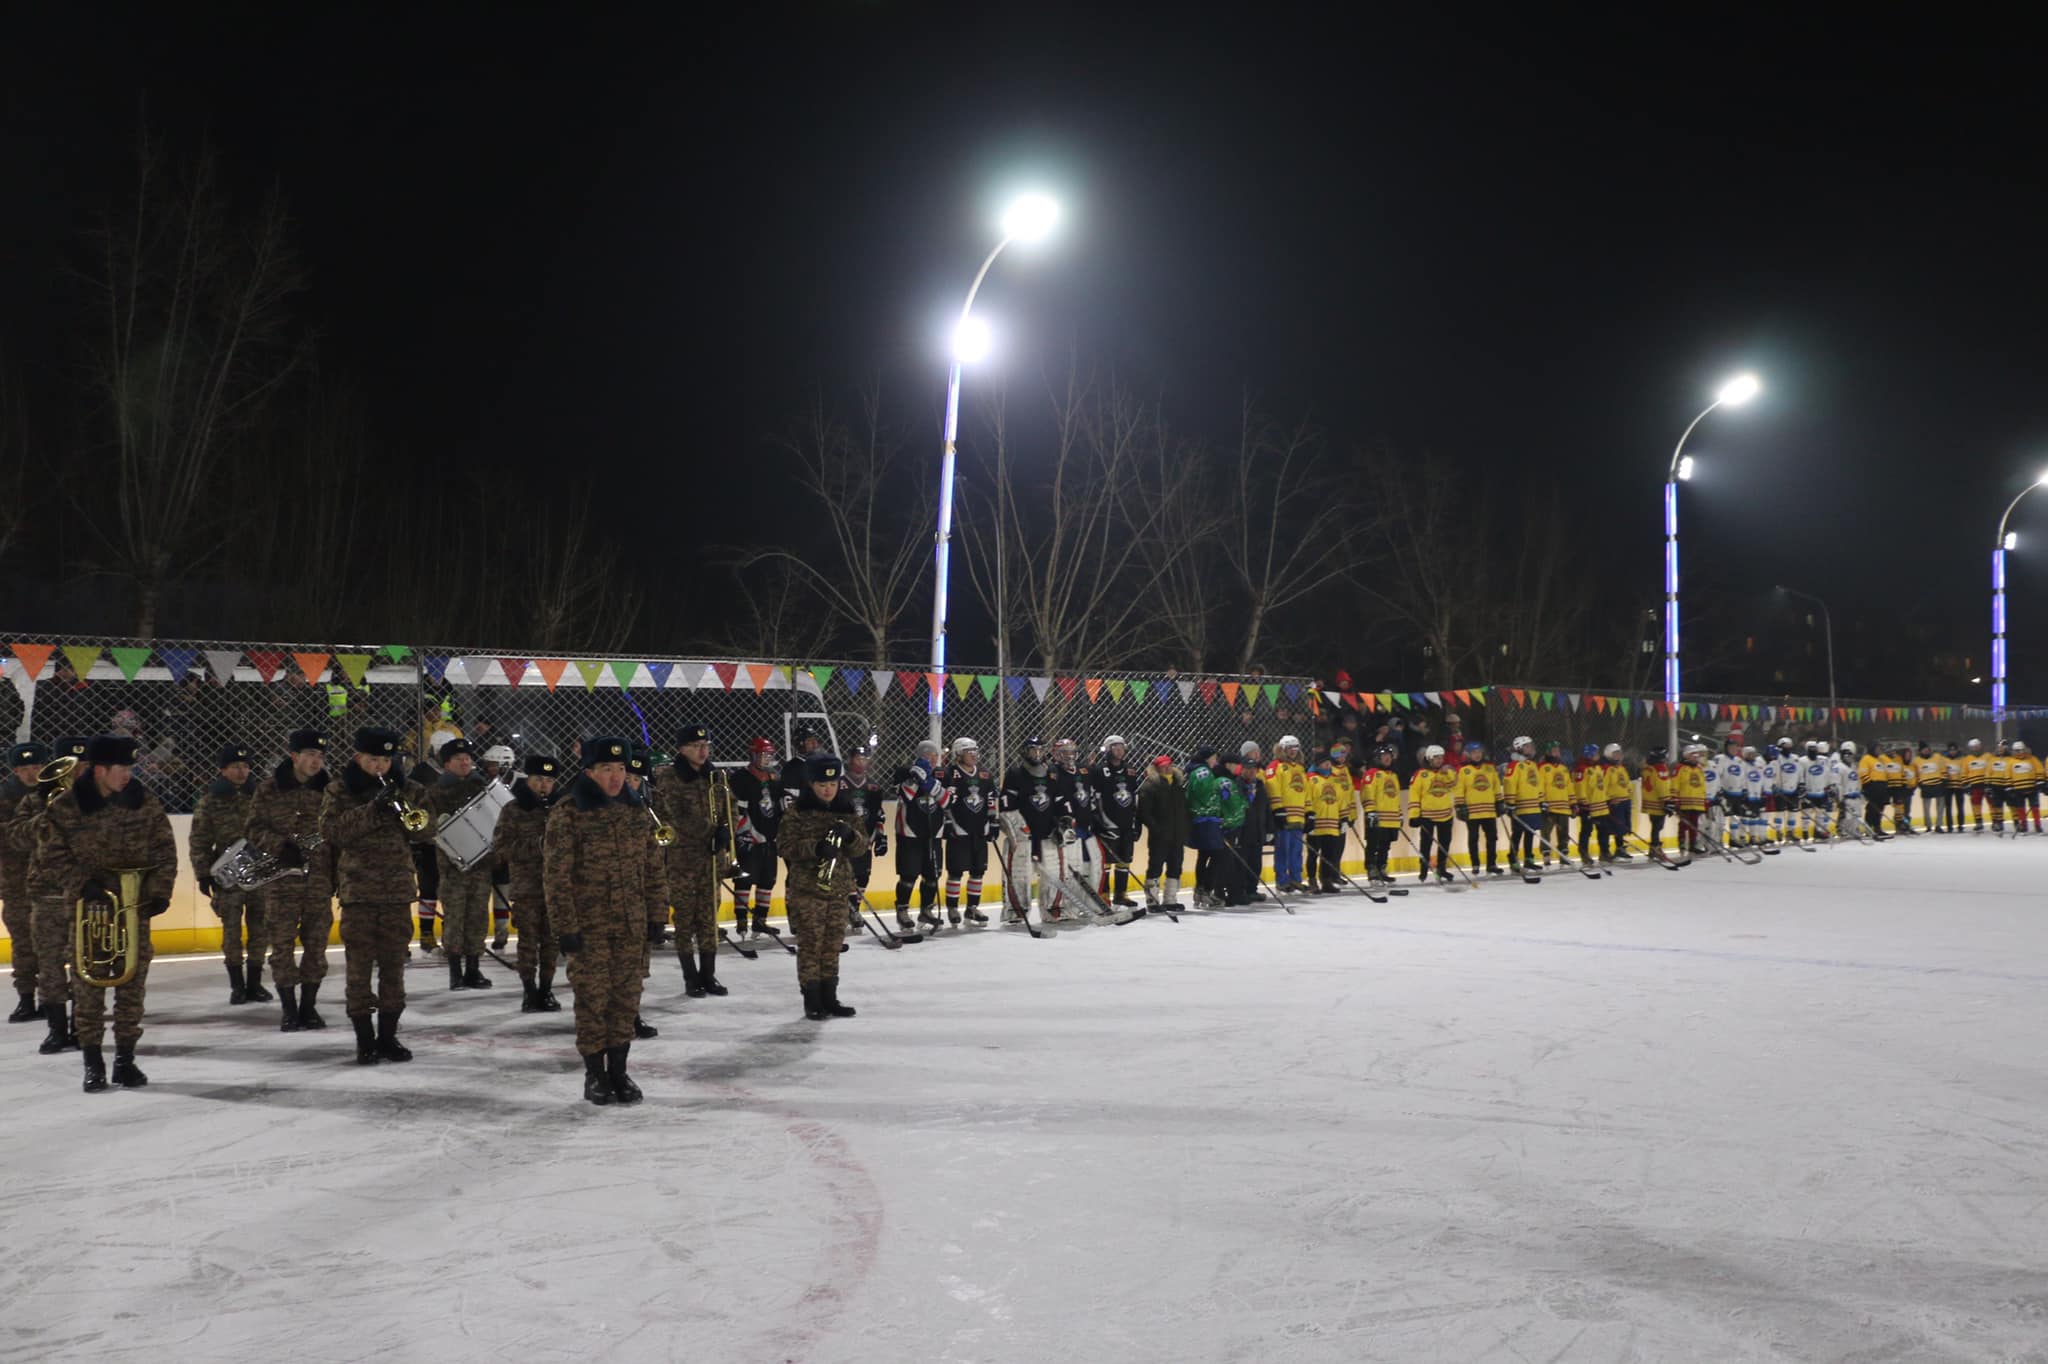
186	699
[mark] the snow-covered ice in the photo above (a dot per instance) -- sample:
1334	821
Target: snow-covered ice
1796	1112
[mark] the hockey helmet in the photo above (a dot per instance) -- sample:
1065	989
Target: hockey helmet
1770	750
2004	746
2018	747
1434	753
1749	752
1690	751
1115	741
1976	745
1820	746
1926	747
1522	741
499	756
1383	754
964	745
1611	751
1848	746
1474	748
1590	752
1033	742
1657	755
1286	741
761	751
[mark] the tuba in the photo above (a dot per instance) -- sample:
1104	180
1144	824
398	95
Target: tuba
106	932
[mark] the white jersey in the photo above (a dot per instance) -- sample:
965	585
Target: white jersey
1819	776
1713	776
1756	779
1846	780
1734	773
1791	774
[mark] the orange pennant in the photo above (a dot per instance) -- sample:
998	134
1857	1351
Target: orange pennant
33	656
551	670
312	665
1094	686
1230	691
758	674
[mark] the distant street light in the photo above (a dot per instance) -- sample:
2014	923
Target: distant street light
1029	218
1733	393
2005	541
1828	621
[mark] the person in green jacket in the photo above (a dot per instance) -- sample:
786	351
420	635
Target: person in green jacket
1210	799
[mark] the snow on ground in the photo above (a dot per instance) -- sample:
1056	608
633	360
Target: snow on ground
1793	1112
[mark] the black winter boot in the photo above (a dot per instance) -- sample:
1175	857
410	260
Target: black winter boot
455	981
95	1070
309	1017
623	1089
238	989
257	994
26	1011
472	977
597	1086
529	1002
814	1000
644	1030
126	1073
290	1009
832	1005
693	979
707	971
366	1040
60	1038
389	1048
546	991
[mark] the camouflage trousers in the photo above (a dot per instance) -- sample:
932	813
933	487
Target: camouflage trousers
291	918
51	931
91	1017
465	911
696	913
820	927
238	914
374	937
606	977
536	936
19	916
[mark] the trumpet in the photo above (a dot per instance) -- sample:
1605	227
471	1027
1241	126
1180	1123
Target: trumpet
106	932
664	832
411	818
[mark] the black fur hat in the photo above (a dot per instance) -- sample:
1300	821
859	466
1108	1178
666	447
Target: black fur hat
230	753
540	765
377	741
111	750
303	739
605	749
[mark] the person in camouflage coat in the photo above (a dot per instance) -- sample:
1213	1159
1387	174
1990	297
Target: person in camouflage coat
607	893
518	850
683	795
221	818
465	895
106	822
821	830
359	818
17	841
298	911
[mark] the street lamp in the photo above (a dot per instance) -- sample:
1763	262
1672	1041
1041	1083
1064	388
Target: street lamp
1828	622
1733	393
1029	218
2005	541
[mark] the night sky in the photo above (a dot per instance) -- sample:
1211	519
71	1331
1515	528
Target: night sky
1531	244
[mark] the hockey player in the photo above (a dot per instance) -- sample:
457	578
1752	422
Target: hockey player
1688	795
1849	784
920	821
1083	856
1114	784
1997	780
1560	801
1247	822
865	792
2023	789
970	826
1952	776
1589	794
1479	794
1818	792
1287	790
1029	793
1657	792
1976	772
757	811
1931	771
1432	801
1789	786
1331	800
1756	796
1379	797
1620	822
1898	770
1522	788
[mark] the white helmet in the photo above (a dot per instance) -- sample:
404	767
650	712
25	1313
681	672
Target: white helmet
927	749
1247	748
1432	753
499	755
1113	741
1748	751
1522	741
1611	751
1848	746
1691	749
2018	747
1976	744
1287	741
1820	746
1785	745
965	746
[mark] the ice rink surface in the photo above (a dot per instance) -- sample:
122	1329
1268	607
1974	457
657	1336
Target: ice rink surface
1796	1112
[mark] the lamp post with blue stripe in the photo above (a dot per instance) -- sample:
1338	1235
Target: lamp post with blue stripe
2005	541
1734	393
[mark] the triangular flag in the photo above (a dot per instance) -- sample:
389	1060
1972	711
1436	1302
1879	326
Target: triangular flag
1521	697
907	683
1093	686
1713	711
267	664
1293	690
129	659
514	669
589	669
1479	695
397	653
1625	708
1366	700
1599	704
853	677
725	673
33	656
1167	686
1117	686
758	674
1272	690
356	666
820	676
179	661
882	677
962	684
311	665
988	683
1015	686
1436	698
936	682
1208	691
433	665
660	673
1574	699
778	679
1230	690
551	670
623	670
81	657
221	664
1040	686
690	676
1139	686
1067	686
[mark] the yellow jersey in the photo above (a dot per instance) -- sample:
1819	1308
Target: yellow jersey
2023	772
1657	784
1688	786
1591	783
1379	794
1523	783
1559	791
1287	789
1433	793
1931	770
1620	788
1479	790
1976	768
1329	799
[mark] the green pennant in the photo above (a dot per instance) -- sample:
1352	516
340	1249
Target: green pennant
987	682
623	669
590	669
821	676
397	653
1622	701
353	667
130	660
1117	687
1544	697
962	682
1139	686
1272	690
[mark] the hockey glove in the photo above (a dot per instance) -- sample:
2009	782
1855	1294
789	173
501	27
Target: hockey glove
721	839
1464	814
570	942
1415	821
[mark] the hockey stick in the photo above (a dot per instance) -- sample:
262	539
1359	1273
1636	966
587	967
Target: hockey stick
786	946
1021	910
1590	873
1735	855
885	937
1366	843
1255	876
513	967
1528	877
749	953
1157	903
1450	859
1439	883
1653	851
1372	895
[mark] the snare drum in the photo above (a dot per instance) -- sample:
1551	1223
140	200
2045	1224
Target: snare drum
465	836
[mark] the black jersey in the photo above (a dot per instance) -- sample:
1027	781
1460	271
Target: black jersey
1079	797
971	797
920	802
865	795
1115	786
757	804
1035	796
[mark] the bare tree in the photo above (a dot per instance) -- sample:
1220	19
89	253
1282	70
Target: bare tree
874	552
1188	589
307	525
193	339
783	619
1428	580
569	590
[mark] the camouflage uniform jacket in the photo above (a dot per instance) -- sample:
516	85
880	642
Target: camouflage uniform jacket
443	799
805	824
287	810
18	807
83	835
518	843
373	856
682	796
222	817
604	874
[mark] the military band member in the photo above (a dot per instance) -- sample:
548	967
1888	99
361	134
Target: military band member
971	797
221	818
298	911
465	895
607	891
683	794
818	837
107	822
24	761
640	791
499	766
516	850
360	821
50	916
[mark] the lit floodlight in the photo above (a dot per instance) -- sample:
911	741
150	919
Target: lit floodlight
2042	481
1739	390
2012	537
1685	469
971	341
1031	218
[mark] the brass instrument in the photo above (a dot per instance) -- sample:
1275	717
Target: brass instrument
241	867
106	932
828	867
56	777
411	818
664	832
722	817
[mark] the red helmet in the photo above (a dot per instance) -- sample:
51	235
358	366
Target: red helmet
760	746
